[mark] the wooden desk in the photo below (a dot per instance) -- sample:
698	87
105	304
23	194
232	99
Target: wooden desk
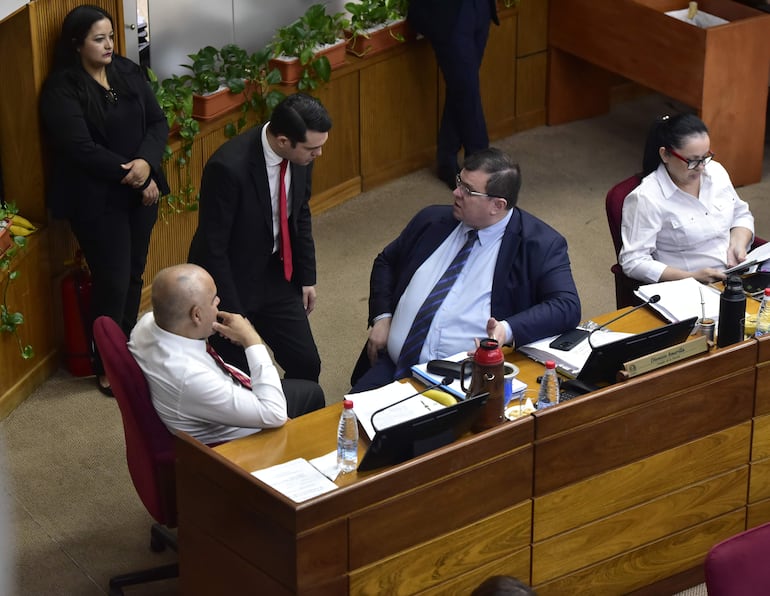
721	71
612	492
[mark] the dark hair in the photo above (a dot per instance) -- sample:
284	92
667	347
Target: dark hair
297	114
74	30
504	174
670	132
503	585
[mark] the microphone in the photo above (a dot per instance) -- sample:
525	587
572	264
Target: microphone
650	300
444	381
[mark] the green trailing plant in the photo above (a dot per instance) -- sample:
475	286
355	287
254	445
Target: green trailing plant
11	320
261	97
366	14
174	96
304	37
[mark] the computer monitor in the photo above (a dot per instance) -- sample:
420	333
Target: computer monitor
606	360
417	436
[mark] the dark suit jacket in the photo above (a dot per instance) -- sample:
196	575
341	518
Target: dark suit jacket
532	287
84	172
435	19
234	239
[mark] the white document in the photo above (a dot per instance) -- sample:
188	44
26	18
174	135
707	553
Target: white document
681	299
569	362
755	257
366	403
704	20
296	479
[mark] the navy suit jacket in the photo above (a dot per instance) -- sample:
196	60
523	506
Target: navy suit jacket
234	239
532	287
436	19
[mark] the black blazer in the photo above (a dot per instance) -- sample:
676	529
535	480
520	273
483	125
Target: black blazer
435	19
82	169
234	239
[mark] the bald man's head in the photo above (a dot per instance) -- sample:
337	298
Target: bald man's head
183	298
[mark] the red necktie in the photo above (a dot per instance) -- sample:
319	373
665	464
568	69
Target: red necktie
234	373
284	219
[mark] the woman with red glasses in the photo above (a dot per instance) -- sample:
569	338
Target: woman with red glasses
685	218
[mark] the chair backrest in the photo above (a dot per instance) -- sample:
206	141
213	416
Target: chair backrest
614	207
149	444
738	565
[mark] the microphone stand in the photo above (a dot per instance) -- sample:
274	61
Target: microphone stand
651	300
444	381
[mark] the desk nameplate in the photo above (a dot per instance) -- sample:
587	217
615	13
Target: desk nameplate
663	357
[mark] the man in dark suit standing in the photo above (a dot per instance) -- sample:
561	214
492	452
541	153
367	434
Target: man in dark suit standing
458	31
260	254
481	267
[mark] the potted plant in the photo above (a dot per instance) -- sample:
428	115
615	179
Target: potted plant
175	97
260	93
306	51
376	25
10	321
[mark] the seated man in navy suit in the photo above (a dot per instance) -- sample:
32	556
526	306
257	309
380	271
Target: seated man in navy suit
478	268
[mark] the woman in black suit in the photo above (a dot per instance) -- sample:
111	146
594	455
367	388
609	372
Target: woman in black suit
106	137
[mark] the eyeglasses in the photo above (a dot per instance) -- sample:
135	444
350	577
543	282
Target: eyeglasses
693	163
467	191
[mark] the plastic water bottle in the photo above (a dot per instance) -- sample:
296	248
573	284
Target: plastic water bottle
549	387
763	316
347	439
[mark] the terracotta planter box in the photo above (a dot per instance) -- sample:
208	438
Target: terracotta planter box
291	69
379	39
206	107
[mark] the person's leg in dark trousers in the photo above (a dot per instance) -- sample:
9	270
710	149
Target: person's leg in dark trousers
106	245
302	397
459	57
381	373
141	222
284	326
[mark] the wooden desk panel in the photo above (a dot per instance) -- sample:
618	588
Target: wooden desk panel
641	481
460	552
644	524
654	562
641	430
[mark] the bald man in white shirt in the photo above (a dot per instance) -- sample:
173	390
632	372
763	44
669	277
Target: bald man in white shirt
190	390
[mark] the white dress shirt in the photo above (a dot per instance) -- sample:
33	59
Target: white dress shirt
273	164
463	315
663	226
193	394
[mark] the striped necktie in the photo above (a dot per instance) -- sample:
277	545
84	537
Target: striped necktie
412	347
235	374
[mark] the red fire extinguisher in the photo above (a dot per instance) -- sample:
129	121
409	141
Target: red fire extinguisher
76	304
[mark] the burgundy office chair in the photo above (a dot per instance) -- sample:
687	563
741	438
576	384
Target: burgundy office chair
738	566
149	448
624	285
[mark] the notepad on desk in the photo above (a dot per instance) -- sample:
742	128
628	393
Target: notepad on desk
681	299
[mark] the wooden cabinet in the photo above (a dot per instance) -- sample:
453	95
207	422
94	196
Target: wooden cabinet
720	71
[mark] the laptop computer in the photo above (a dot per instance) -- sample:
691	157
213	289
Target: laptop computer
414	437
606	360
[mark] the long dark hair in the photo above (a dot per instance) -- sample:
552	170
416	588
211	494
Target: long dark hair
670	132
74	31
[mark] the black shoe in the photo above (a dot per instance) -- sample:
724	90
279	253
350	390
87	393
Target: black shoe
104	389
448	175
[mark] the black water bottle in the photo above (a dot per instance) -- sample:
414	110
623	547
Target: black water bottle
732	309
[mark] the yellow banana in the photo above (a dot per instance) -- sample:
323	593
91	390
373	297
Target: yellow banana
23	222
441	397
19	231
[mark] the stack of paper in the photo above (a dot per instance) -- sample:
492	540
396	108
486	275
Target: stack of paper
569	362
681	299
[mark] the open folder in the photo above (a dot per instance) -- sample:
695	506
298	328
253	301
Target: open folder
681	299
